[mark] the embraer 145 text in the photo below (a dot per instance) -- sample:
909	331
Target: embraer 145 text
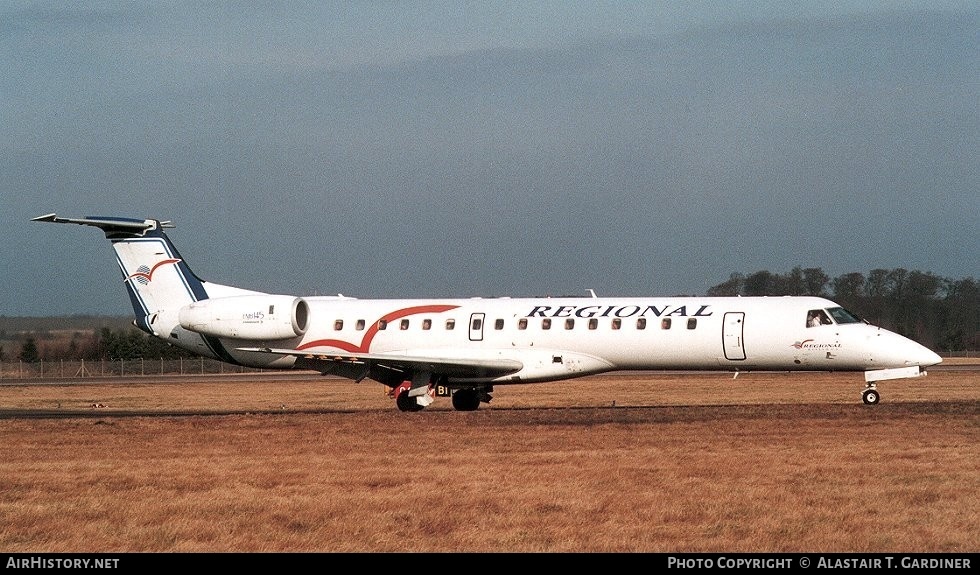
462	348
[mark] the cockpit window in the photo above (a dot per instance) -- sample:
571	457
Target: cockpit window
841	315
816	317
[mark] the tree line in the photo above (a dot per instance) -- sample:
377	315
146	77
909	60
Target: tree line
940	313
106	344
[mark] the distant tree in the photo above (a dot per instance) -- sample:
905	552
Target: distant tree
918	308
121	345
791	284
134	344
105	338
760	283
848	290
958	316
908	301
3	356
732	287
815	281
28	351
876	291
88	347
114	345
848	287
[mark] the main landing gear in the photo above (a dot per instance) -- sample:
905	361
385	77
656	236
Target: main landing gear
463	399
870	394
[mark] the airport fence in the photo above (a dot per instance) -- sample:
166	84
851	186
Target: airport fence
13	370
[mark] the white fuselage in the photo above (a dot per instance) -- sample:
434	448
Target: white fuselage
560	338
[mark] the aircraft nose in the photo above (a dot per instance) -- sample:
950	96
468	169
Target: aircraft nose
899	351
928	357
918	354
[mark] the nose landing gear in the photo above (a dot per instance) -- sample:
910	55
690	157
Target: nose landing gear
870	394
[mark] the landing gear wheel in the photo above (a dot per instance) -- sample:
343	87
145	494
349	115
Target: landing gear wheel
466	400
871	396
406	403
403	401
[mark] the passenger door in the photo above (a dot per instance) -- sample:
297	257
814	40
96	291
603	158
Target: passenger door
734	323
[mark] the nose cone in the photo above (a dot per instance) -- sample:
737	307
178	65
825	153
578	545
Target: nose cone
928	357
895	350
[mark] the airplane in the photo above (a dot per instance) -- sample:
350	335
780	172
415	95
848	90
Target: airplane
461	348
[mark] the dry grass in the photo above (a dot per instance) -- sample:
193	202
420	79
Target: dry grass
765	462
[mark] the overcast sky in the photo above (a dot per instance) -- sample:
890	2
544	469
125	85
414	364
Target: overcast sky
458	149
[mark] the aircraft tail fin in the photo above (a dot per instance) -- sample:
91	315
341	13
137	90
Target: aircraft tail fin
156	276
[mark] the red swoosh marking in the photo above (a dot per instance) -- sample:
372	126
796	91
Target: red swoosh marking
799	345
365	344
149	276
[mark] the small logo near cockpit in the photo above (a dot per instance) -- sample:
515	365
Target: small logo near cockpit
144	273
808	344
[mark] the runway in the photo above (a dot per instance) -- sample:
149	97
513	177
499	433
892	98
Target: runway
617	393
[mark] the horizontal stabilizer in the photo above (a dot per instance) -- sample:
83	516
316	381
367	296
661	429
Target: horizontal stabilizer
106	223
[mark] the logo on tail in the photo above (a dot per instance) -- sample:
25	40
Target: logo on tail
144	274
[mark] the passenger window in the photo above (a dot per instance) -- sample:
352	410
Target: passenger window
498	324
593	323
617	323
477	324
382	324
360	325
522	323
426	324
450	324
569	323
338	325
692	322
404	324
641	323
546	323
665	323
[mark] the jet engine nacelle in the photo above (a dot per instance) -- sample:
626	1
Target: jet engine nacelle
257	317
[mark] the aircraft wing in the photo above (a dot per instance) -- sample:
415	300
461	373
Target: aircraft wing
360	365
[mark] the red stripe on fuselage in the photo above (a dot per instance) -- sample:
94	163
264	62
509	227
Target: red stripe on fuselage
365	345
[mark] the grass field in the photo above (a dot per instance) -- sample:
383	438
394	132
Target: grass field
619	463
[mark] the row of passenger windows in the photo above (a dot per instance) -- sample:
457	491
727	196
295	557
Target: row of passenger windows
522	324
